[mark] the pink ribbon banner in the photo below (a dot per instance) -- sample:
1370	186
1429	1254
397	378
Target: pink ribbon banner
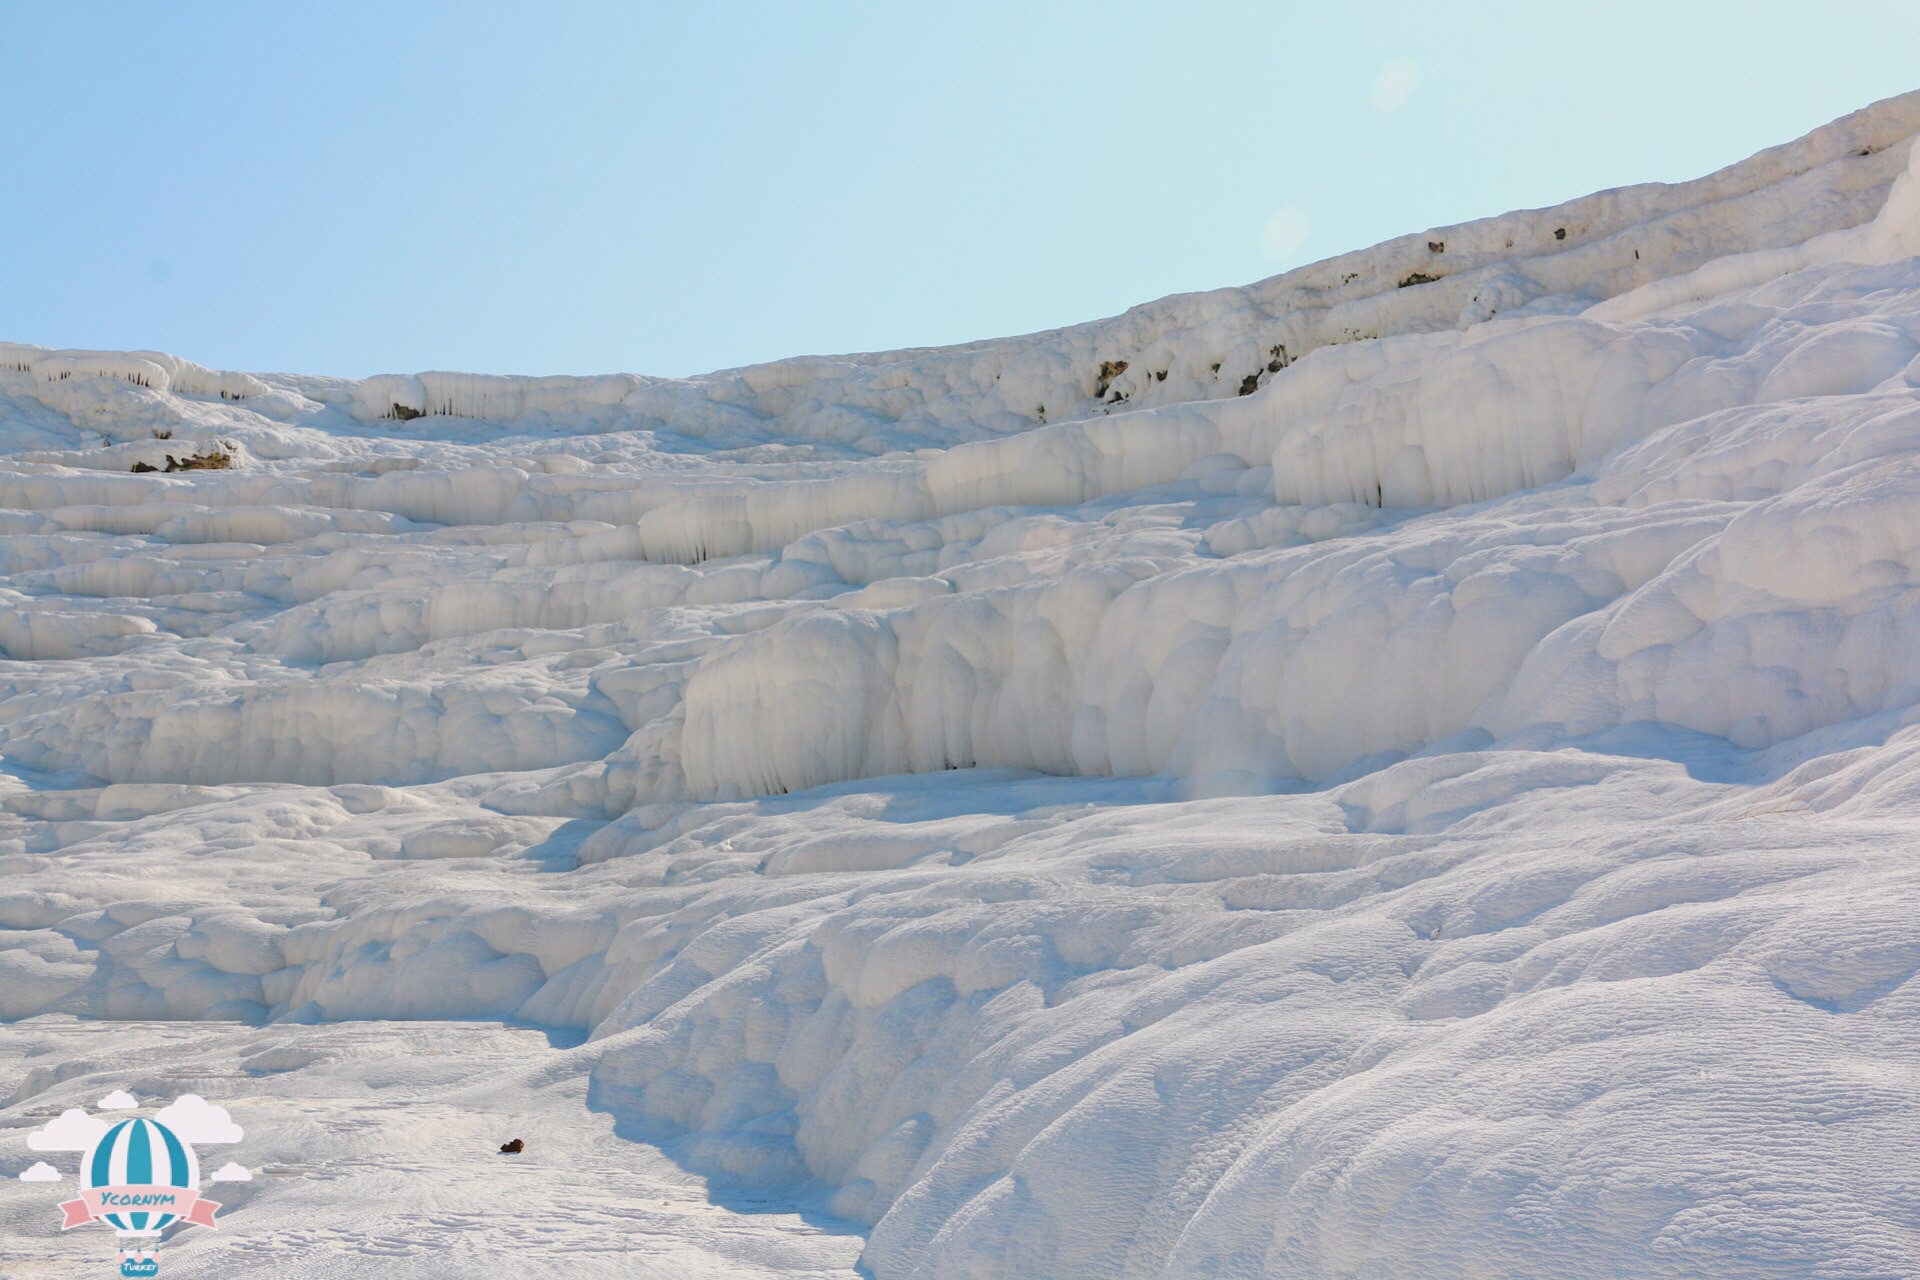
96	1203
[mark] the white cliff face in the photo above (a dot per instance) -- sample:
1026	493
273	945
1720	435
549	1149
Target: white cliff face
1433	733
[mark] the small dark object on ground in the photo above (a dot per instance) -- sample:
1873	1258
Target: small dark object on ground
405	414
1417	277
1250	384
1436	246
213	460
158	434
513	1148
1559	233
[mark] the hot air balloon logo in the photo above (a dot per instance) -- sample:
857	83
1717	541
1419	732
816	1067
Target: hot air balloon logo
142	1178
139	1176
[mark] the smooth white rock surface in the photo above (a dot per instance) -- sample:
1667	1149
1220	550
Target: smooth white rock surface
1445	811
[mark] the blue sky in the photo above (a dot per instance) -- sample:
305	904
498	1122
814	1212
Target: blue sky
357	188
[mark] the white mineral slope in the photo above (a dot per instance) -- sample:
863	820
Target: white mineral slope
373	1149
1443	811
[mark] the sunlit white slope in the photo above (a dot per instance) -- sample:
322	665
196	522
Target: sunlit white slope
1442	811
1298	663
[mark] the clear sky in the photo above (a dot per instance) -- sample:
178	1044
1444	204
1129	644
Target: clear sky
569	187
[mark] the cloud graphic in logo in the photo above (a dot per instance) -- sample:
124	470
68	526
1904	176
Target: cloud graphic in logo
41	1172
197	1121
228	1172
118	1100
75	1130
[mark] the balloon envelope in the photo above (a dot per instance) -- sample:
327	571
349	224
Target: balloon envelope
140	1153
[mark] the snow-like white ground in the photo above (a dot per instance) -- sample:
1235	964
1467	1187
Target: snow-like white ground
374	1152
1410	767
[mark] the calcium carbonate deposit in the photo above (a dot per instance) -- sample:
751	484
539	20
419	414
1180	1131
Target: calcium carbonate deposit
1408	768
